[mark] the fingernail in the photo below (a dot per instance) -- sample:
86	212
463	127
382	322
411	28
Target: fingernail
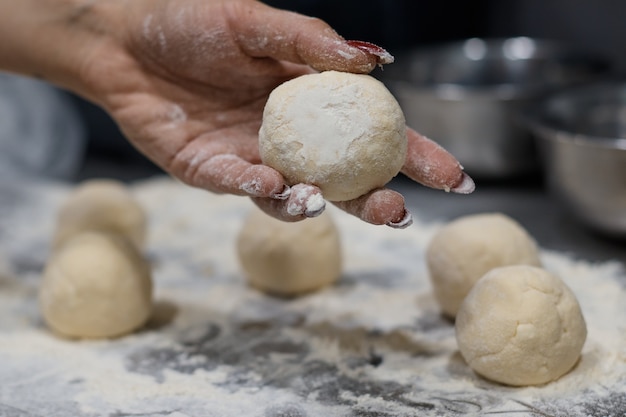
382	56
283	194
406	221
466	186
314	205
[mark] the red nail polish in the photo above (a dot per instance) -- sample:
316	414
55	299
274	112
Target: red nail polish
382	56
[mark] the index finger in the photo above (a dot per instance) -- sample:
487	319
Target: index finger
263	31
431	165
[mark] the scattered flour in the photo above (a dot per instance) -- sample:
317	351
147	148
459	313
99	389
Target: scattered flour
373	345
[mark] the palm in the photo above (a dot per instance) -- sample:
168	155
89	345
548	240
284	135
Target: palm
192	103
188	84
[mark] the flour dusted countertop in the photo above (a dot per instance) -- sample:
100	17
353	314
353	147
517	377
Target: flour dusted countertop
373	345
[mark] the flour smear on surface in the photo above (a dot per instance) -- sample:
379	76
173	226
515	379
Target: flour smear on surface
372	345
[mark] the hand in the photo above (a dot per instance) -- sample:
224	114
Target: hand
186	80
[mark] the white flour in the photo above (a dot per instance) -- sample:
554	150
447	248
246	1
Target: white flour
343	132
374	345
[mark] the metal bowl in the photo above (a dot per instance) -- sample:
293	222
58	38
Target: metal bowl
466	96
581	133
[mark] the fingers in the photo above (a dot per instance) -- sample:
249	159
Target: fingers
381	206
431	165
303	201
227	173
263	31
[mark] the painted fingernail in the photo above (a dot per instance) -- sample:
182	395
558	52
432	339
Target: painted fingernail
283	194
406	221
382	56
466	186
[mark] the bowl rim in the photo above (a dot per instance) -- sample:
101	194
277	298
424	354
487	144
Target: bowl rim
458	92
543	44
550	134
534	118
543	48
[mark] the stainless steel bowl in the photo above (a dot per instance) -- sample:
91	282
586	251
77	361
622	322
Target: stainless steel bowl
581	133
466	96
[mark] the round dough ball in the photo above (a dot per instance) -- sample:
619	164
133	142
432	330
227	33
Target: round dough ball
96	285
467	248
289	259
520	325
344	133
101	205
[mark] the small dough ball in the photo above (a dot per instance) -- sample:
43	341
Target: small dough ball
520	325
344	133
101	205
467	248
289	259
95	286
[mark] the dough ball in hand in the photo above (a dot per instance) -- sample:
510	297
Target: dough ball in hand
96	286
101	205
344	133
520	325
465	249
289	259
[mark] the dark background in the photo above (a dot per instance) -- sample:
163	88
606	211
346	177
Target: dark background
598	25
397	24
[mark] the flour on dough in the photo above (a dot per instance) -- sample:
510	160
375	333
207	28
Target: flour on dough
465	249
344	133
520	325
96	286
289	259
101	205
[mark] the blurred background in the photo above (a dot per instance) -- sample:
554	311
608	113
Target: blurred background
401	24
70	139
95	144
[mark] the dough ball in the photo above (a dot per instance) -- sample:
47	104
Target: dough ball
101	205
467	248
289	259
344	133
96	285
520	325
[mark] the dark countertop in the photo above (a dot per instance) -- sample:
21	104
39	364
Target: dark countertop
373	345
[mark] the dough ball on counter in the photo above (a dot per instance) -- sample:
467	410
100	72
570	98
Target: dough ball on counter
96	286
467	248
344	133
101	205
289	259
520	325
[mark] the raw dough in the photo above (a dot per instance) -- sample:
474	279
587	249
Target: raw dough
289	259
96	285
101	205
465	249
520	325
344	133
